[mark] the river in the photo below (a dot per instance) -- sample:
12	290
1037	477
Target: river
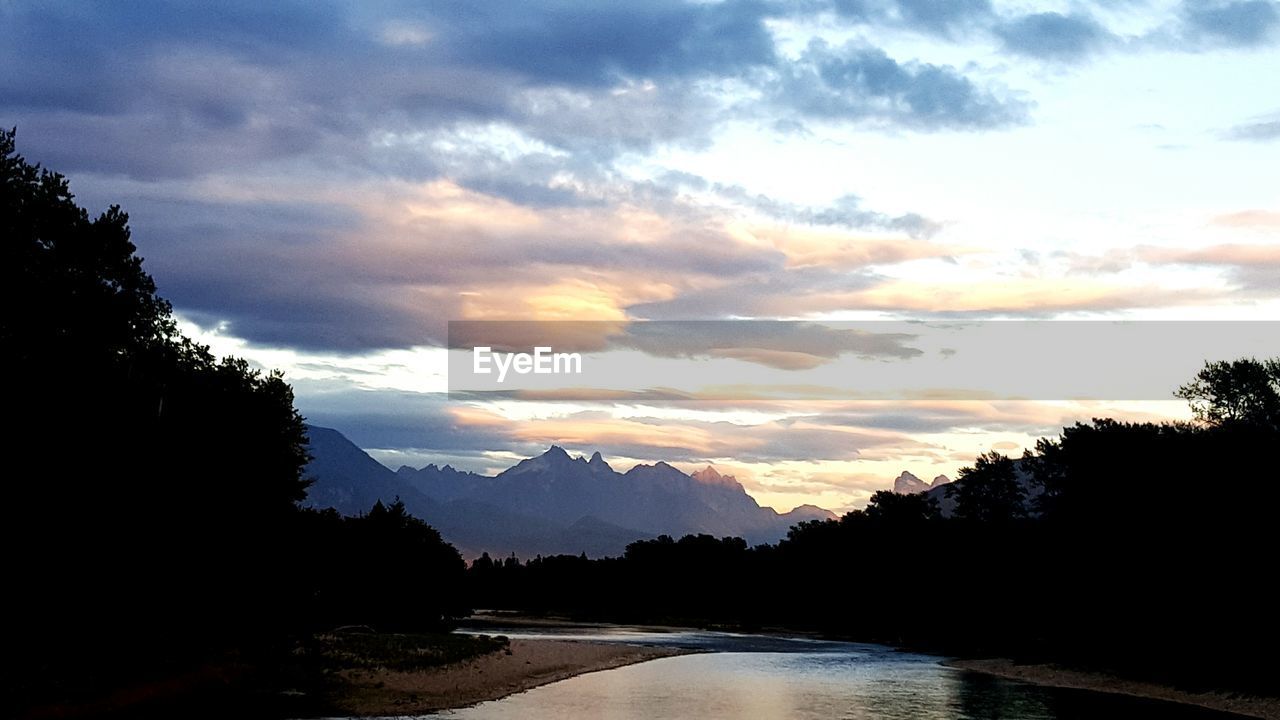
761	678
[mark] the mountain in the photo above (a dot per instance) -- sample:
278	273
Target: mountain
709	476
344	477
549	504
938	488
908	484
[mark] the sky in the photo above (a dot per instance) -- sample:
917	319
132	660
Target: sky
321	187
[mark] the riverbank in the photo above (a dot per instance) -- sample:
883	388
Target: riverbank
524	665
1056	676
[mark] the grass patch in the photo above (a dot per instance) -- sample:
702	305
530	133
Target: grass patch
397	651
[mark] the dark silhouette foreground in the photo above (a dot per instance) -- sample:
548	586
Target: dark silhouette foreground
155	527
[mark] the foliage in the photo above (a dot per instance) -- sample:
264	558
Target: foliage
1236	392
989	491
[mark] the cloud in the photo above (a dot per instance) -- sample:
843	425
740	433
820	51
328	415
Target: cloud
1261	130
429	427
836	250
1022	296
1053	36
1258	219
1239	23
942	17
925	16
363	267
784	345
846	211
863	84
350	177
170	90
794	293
933	417
1225	254
1254	267
585	43
401	420
393	274
689	440
781	345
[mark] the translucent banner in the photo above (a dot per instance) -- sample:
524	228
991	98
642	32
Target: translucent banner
875	360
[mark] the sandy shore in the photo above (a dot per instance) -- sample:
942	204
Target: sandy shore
528	664
1055	676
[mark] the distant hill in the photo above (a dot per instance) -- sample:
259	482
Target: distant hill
548	504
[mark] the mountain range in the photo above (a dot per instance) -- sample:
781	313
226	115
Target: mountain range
549	504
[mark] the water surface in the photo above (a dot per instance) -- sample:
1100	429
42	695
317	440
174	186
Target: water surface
760	677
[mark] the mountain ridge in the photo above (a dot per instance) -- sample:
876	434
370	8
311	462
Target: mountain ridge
548	504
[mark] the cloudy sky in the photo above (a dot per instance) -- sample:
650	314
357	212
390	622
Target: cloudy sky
321	187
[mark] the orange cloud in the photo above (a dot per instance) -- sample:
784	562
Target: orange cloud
1259	219
812	247
1226	254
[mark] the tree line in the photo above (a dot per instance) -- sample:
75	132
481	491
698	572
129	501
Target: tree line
152	517
1146	549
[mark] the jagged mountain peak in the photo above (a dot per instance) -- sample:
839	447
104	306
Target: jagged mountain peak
908	484
597	462
710	476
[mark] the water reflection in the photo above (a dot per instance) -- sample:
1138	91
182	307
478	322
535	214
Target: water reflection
764	678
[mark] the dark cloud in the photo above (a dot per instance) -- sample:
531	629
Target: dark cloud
171	90
1242	23
162	90
269	270
863	84
1053	36
586	43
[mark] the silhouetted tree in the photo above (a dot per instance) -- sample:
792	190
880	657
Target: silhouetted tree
1046	469
168	478
1244	391
891	509
989	491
